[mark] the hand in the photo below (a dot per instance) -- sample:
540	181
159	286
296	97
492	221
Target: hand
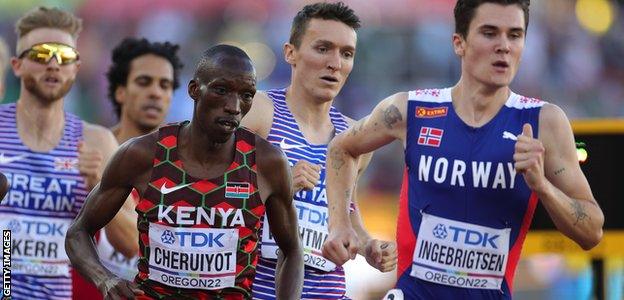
305	175
116	288
89	164
529	159
341	245
382	255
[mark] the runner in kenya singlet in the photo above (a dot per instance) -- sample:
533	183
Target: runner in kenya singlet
322	279
464	212
45	194
198	237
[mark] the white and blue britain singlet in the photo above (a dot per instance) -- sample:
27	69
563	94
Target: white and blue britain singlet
45	194
322	278
464	211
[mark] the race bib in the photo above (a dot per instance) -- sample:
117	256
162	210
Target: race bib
37	245
460	254
114	261
193	258
313	232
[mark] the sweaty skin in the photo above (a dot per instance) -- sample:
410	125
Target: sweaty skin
206	150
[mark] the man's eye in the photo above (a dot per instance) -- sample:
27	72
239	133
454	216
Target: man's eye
220	90
248	97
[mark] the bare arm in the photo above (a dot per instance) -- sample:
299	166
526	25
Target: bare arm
380	254
386	123
356	218
119	177
260	116
4	186
561	186
121	230
275	182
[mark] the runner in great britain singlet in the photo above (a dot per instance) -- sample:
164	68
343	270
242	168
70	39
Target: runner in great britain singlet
322	278
464	211
198	237
45	194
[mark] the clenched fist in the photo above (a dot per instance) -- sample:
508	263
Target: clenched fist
305	175
90	164
116	288
529	159
382	255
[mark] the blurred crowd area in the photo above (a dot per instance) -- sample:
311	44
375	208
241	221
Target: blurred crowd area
572	55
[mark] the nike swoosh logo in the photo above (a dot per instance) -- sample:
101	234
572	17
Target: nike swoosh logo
165	190
7	160
510	136
287	146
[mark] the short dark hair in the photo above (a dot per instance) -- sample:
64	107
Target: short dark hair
209	56
465	11
321	10
128	50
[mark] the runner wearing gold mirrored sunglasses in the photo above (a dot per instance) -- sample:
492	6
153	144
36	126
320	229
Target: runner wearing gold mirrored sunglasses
44	52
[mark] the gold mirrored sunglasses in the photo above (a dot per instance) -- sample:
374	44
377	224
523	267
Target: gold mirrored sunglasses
43	53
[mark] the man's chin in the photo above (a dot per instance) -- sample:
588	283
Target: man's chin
149	126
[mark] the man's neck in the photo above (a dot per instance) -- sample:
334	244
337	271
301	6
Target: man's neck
202	147
40	124
125	130
312	114
476	103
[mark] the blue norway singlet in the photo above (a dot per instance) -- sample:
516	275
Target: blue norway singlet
464	211
322	279
45	194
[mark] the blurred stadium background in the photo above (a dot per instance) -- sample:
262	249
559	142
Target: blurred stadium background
573	58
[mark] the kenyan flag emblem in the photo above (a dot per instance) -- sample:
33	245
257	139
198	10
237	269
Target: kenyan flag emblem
238	190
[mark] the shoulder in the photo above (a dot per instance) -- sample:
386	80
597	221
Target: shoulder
267	153
99	137
96	132
260	116
139	151
552	114
553	124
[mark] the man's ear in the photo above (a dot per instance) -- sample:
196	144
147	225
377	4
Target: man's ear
120	94
289	53
193	89
16	65
459	44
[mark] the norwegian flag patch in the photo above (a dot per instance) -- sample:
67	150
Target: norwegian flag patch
238	190
430	136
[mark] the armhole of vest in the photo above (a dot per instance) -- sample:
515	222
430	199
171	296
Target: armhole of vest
275	109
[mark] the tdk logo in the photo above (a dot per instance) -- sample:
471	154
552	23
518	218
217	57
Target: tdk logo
440	231
193	239
37	228
472	237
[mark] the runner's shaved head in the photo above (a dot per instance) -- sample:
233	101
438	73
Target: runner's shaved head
220	56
